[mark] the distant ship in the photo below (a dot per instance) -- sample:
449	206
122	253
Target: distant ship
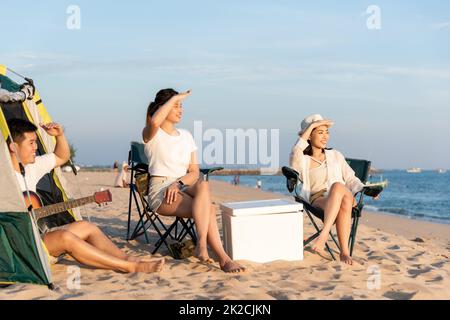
441	171
414	170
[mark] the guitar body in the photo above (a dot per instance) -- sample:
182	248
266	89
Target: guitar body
34	200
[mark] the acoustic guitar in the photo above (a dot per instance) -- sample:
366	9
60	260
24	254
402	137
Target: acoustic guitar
42	211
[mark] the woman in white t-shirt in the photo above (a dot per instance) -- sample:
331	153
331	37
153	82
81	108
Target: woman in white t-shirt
176	188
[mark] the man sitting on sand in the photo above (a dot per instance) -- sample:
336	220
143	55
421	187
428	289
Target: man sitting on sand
85	242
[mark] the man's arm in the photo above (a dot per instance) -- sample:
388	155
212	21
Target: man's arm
62	149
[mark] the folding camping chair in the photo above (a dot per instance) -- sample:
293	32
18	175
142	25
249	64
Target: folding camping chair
361	168
179	229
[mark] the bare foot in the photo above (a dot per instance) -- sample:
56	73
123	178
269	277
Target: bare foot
232	267
345	258
151	266
132	259
139	259
206	259
321	253
203	256
317	248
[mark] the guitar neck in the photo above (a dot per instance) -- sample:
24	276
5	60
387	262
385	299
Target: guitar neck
61	207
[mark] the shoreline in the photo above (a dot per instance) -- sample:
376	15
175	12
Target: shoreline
376	216
383	221
253	173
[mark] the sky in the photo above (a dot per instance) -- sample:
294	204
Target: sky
260	65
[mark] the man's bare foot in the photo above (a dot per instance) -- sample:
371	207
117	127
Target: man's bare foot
232	267
345	258
150	266
132	259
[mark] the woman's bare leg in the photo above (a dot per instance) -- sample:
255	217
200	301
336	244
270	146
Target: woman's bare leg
339	194
187	207
343	226
225	262
63	241
201	207
331	207
214	240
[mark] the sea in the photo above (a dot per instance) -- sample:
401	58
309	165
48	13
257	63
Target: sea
422	196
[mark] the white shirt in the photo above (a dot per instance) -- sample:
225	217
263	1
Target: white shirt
318	178
35	171
338	169
170	156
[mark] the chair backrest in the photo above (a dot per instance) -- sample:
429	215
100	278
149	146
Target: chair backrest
361	168
137	154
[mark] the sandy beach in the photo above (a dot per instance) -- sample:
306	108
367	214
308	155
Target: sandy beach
412	257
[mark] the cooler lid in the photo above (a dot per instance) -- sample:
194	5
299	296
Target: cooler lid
260	207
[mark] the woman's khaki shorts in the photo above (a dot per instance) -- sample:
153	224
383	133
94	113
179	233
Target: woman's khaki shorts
157	189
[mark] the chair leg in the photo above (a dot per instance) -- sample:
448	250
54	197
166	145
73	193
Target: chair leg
308	241
129	208
153	221
176	230
141	229
188	229
163	226
329	250
163	238
354	235
141	215
335	242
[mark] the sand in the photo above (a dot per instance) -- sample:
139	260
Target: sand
388	263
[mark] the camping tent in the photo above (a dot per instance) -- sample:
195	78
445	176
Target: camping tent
23	256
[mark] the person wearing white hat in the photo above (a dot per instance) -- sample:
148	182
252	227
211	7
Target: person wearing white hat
122	179
328	182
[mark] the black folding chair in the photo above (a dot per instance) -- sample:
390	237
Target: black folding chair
179	229
361	168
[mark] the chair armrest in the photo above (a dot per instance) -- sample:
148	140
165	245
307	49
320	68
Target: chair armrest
208	171
292	178
372	191
140	168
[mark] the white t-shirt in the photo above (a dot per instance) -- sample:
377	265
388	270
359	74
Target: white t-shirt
170	156
35	171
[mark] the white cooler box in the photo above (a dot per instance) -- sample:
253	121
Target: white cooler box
263	231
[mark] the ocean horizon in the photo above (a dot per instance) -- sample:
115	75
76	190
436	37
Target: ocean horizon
420	196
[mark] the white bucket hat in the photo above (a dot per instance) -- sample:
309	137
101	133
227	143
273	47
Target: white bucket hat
308	120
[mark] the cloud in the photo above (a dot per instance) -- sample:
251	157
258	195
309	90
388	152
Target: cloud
216	67
440	25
